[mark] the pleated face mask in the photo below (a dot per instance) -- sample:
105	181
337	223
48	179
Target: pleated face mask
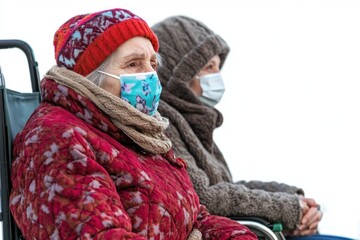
213	89
141	90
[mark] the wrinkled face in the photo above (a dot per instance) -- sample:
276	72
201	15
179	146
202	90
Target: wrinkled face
213	66
136	55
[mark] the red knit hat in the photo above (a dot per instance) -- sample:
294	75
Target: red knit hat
85	41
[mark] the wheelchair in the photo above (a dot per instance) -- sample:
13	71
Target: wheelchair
16	108
262	228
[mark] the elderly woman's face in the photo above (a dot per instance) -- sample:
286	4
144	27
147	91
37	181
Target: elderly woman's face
136	55
213	66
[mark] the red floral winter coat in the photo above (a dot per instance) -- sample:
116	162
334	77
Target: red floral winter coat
77	176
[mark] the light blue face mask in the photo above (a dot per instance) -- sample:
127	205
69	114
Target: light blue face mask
141	90
213	89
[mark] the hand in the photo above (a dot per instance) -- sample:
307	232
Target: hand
311	216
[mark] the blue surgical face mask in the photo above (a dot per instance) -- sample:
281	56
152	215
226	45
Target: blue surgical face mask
141	90
213	89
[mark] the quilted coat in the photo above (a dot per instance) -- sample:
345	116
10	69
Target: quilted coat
76	175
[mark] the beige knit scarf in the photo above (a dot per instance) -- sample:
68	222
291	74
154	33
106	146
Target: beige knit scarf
147	131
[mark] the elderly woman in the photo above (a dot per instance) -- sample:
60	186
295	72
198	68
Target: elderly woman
193	56
92	161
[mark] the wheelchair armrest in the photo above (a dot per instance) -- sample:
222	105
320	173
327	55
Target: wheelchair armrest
276	227
261	227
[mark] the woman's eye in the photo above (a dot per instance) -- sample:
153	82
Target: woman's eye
132	64
209	67
154	66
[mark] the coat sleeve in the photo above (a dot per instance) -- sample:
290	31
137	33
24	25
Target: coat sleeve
221	228
231	199
272	187
60	191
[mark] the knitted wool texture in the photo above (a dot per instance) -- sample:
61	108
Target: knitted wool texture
83	42
187	45
146	131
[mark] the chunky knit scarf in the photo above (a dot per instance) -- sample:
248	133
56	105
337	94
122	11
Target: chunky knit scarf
146	131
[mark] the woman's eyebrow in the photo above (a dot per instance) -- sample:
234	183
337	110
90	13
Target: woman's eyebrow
133	56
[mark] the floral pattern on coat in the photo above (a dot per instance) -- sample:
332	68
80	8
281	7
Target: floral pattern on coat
75	175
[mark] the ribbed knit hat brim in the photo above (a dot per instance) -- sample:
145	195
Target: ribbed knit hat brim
85	41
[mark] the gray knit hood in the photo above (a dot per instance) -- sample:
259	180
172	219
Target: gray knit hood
186	46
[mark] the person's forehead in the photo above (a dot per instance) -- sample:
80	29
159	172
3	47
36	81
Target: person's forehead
140	46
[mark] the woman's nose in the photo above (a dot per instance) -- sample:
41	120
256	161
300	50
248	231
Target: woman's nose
148	68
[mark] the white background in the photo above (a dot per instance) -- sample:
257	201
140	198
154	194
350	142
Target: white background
292	102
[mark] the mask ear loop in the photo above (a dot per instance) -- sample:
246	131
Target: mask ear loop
109	74
196	77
